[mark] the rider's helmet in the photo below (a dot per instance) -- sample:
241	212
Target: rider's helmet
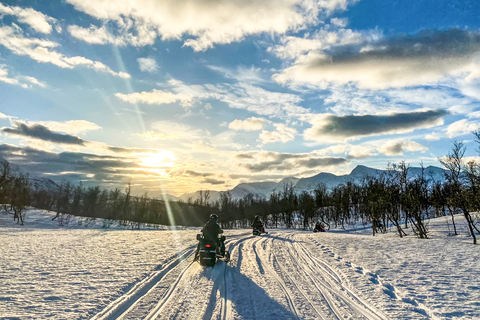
257	217
214	217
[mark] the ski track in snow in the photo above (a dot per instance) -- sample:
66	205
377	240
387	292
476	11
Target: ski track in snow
286	274
295	284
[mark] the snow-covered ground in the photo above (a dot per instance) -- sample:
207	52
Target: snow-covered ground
78	272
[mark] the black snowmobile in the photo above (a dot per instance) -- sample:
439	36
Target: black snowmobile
210	251
258	231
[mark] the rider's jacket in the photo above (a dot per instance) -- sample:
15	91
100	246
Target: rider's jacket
257	224
211	230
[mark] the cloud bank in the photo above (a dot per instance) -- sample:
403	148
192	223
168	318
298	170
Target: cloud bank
328	128
424	58
204	23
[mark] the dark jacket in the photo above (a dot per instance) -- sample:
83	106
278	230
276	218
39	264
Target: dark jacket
257	224
211	230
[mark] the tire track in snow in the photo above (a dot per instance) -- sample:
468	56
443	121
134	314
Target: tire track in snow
274	274
387	288
327	280
121	306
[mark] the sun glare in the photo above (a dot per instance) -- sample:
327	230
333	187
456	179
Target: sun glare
161	158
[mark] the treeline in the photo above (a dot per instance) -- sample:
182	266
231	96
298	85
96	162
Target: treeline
393	199
17	193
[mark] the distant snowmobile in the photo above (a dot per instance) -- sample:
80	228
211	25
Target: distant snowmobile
258	227
258	231
210	251
319	227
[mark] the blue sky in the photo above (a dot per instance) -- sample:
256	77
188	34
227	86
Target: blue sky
187	95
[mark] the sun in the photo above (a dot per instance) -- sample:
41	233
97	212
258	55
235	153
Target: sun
159	158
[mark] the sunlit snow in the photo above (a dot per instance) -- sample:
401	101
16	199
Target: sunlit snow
88	272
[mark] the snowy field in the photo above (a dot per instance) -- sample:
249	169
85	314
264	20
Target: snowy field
79	272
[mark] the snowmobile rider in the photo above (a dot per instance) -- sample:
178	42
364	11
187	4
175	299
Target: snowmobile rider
319	226
211	231
257	223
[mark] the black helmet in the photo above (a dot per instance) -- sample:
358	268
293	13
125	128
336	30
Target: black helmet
213	216
257	217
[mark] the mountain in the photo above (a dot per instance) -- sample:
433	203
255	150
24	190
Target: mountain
309	184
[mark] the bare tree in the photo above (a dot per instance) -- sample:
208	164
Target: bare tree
453	162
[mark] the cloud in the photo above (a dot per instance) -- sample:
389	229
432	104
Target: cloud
156	97
299	164
238	96
147	64
128	33
281	134
398	147
42	51
38	131
241	74
213	181
327	128
260	101
23	81
260	161
424	58
250	124
462	127
37	20
71	127
201	23
294	47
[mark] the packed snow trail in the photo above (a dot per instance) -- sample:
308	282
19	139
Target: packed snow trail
273	276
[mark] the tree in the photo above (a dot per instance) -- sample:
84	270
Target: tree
453	162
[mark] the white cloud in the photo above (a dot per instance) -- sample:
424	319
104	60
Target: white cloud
250	124
206	24
241	74
462	127
72	127
147	64
432	137
41	51
23	81
294	47
281	134
398	147
129	33
339	22
156	97
37	20
245	96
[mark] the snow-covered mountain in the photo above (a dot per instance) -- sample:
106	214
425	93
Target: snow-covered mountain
36	182
309	184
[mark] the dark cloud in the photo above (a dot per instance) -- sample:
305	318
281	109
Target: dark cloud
244	156
213	181
130	150
334	127
399	61
38	131
427	43
294	164
320	162
41	162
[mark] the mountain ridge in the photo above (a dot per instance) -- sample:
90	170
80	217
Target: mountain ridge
309	183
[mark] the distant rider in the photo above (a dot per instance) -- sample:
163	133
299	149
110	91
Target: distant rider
319	226
257	224
211	230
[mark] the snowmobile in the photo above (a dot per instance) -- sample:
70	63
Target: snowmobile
210	251
258	231
319	227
